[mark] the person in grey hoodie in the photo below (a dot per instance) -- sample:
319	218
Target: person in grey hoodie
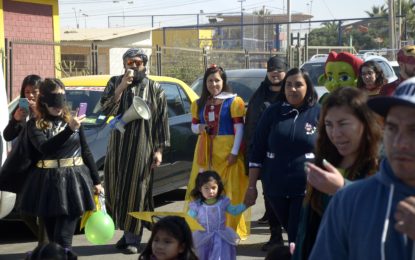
375	218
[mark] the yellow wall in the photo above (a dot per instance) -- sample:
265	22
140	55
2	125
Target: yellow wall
56	27
191	38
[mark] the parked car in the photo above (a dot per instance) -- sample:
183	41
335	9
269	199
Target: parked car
395	66
244	82
7	199
315	67
177	159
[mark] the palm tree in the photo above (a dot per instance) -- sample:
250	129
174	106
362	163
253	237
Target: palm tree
407	9
378	11
262	12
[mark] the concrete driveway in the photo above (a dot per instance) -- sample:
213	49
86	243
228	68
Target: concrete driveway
16	240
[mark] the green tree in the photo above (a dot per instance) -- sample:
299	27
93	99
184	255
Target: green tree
376	35
407	7
327	35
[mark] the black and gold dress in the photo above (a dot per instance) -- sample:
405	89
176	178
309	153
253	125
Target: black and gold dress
61	181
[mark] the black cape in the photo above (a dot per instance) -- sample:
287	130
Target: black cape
18	163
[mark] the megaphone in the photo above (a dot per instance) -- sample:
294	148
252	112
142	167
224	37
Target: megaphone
138	109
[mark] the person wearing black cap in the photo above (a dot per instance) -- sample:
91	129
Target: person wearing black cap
375	218
133	155
265	95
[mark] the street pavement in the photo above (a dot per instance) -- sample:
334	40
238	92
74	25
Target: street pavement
16	240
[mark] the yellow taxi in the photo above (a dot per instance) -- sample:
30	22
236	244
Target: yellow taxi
177	160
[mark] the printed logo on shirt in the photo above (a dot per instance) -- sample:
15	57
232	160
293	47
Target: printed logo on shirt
310	129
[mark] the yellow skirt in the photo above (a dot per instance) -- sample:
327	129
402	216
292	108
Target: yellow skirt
233	176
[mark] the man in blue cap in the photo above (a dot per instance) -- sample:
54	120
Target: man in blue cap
375	218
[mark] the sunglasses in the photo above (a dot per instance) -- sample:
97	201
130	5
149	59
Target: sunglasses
215	67
137	63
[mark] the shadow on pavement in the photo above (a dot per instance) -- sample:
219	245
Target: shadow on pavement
250	250
169	197
17	232
13	256
90	250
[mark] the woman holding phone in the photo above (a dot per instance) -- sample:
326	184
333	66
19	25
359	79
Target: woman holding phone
25	110
18	118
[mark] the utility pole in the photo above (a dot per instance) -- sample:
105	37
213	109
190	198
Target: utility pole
263	23
242	24
84	15
309	12
392	37
123	9
288	32
76	18
399	23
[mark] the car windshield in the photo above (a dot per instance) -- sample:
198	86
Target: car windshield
314	70
243	86
91	96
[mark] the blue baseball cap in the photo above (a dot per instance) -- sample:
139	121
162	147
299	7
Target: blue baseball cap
404	95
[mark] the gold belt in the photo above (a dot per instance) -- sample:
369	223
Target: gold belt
67	162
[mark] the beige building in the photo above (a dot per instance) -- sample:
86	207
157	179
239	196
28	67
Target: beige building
100	49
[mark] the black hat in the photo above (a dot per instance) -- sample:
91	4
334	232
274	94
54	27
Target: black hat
276	63
404	96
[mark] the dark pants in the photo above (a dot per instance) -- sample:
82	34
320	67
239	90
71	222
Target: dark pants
287	210
60	229
37	226
274	223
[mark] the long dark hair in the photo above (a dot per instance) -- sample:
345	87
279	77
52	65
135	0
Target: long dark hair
205	177
366	162
30	80
380	78
205	93
47	86
311	95
177	228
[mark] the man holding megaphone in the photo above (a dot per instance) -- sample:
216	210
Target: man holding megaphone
140	108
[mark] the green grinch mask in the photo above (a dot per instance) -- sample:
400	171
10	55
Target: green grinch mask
339	74
341	70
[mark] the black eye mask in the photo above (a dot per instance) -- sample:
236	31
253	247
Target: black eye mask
54	100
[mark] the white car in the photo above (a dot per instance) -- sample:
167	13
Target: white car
385	64
395	66
7	199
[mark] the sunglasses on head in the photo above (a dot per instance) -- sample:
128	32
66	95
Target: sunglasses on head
137	63
215	67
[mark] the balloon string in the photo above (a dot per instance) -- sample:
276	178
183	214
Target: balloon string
101	199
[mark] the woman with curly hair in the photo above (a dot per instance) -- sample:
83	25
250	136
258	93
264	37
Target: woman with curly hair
371	78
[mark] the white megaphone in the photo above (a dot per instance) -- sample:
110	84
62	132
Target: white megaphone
138	109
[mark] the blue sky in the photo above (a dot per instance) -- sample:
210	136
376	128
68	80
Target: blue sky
94	13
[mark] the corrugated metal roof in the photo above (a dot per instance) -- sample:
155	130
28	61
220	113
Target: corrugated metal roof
99	34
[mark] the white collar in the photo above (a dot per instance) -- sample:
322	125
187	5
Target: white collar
225	95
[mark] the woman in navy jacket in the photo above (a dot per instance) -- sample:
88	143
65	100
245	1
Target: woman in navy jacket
284	140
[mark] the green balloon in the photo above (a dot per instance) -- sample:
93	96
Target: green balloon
99	229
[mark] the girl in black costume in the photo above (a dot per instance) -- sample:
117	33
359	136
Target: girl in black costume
59	187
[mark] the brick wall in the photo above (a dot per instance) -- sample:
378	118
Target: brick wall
28	21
